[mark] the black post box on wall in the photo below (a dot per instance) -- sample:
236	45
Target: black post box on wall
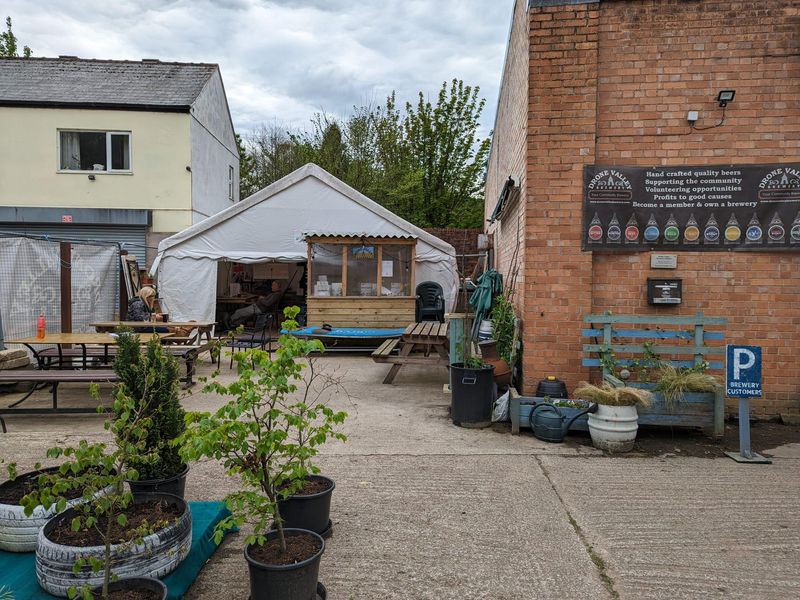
664	291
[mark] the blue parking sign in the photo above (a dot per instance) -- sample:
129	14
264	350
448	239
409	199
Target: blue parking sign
743	371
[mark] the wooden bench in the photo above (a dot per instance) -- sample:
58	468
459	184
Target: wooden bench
642	338
49	357
385	350
189	354
50	377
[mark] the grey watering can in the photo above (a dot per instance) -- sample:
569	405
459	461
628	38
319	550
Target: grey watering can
550	425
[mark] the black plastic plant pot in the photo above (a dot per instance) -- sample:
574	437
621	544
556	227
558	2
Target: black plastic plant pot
312	512
471	395
135	584
175	485
297	581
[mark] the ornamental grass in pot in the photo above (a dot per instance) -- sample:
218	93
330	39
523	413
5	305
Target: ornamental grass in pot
111	536
613	427
151	378
674	384
267	435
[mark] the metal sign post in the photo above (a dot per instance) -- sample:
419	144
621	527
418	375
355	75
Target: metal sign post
743	381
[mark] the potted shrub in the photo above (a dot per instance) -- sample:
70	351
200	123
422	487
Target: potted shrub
110	536
499	351
310	506
151	379
613	427
255	436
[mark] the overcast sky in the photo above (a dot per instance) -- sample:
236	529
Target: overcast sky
282	60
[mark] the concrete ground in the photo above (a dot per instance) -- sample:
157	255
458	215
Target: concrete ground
426	510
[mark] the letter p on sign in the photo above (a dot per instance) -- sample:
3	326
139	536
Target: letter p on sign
743	372
742	359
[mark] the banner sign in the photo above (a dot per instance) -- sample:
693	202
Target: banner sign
711	208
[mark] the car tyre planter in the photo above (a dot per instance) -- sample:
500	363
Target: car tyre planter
471	395
158	554
311	512
297	581
613	428
175	485
147	584
18	532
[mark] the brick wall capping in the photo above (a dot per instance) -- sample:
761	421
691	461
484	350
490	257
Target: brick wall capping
537	3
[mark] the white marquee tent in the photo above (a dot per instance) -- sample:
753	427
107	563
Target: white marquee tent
271	225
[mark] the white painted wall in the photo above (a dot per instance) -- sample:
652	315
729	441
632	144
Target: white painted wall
213	152
160	153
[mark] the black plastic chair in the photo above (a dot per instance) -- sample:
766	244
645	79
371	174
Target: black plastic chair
257	336
430	302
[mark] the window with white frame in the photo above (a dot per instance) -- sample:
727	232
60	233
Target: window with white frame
94	151
230	182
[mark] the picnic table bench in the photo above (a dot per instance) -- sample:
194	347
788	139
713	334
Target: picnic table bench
53	378
640	338
428	338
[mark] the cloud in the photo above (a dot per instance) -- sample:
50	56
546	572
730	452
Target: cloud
285	59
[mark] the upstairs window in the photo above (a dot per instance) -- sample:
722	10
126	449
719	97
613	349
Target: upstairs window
230	182
94	151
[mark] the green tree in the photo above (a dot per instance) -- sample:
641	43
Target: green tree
444	147
247	170
8	43
423	162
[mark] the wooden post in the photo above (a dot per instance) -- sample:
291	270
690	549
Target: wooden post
344	270
380	270
123	288
66	287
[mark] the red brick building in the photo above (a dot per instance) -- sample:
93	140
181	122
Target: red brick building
611	83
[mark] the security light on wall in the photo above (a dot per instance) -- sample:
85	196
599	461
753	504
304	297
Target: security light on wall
725	96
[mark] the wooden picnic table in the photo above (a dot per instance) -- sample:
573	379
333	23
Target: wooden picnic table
60	340
204	328
424	343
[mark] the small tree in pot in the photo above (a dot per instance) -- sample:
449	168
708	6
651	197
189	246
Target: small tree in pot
268	437
151	379
101	524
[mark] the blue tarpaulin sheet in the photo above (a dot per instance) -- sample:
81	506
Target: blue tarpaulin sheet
349	332
18	570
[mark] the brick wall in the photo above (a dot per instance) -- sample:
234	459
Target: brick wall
507	157
465	241
659	59
610	83
561	135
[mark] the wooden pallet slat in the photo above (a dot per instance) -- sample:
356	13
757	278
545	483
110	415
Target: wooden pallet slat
638	349
653	334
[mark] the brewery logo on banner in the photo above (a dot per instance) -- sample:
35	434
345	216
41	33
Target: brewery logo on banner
716	208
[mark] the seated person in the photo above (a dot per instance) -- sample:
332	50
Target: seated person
262	305
142	308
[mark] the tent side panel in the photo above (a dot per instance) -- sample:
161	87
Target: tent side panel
443	271
188	288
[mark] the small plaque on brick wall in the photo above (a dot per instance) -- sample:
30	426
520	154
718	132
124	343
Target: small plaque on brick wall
663	261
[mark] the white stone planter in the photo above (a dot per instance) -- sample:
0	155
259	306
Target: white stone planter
613	428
